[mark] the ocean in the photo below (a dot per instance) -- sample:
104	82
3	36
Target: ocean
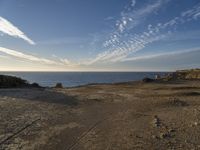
72	79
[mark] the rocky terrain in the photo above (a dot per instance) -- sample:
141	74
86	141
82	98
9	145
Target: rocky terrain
192	74
15	82
189	74
140	115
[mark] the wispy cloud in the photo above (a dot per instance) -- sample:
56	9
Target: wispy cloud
28	57
64	40
2	56
63	61
120	44
133	2
132	17
8	28
122	50
160	55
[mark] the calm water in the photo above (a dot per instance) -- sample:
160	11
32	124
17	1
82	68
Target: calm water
70	79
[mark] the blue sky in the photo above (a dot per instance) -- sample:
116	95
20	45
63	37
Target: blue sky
99	35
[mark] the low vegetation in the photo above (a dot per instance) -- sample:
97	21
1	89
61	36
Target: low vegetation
14	82
11	81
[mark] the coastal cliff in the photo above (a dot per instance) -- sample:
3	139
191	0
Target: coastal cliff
188	74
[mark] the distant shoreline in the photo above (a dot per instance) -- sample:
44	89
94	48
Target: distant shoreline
96	78
73	79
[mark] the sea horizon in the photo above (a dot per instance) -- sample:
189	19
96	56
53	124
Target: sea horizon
73	79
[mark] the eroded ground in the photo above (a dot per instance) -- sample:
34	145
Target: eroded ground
113	117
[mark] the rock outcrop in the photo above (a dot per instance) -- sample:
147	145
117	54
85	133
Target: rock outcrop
14	82
192	74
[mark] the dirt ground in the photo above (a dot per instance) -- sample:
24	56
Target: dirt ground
134	115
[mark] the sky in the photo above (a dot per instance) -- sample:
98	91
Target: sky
99	35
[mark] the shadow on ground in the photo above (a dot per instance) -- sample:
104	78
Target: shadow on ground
41	95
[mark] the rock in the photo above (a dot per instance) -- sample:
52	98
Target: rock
171	130
157	77
177	102
59	85
156	121
189	74
35	85
146	80
164	135
12	82
196	123
15	82
186	141
154	137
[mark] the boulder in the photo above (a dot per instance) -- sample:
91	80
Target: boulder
59	85
147	80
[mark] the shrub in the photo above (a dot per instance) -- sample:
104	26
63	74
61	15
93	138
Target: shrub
11	82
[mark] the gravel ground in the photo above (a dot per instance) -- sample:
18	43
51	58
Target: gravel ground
132	115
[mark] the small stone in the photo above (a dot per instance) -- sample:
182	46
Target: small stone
164	135
196	123
154	136
186	141
156	121
171	130
137	136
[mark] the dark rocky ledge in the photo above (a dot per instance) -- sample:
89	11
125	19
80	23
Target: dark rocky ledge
15	82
